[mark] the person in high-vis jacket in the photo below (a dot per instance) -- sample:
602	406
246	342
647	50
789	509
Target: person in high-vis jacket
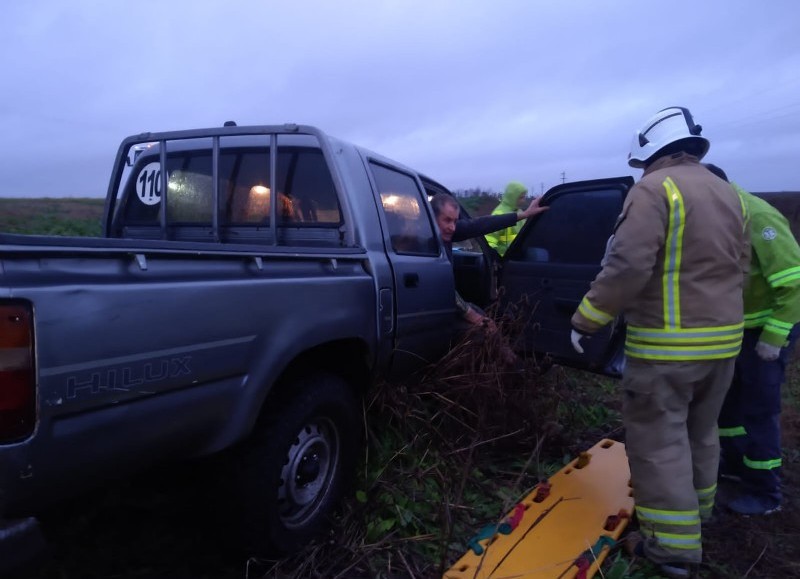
674	270
512	199
749	424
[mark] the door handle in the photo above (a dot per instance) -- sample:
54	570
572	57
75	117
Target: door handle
410	279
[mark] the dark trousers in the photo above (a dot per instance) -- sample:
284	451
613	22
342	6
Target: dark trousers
750	430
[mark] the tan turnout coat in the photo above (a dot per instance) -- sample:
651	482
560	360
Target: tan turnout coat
674	267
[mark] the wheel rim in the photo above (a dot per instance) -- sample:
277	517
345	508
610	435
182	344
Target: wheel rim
308	471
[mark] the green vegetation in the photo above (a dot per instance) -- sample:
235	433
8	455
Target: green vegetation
52	216
446	454
457	449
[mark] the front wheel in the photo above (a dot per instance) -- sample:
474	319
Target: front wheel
298	463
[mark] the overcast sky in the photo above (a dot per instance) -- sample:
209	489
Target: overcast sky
472	93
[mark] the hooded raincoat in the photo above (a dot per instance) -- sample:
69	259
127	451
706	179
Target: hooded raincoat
501	239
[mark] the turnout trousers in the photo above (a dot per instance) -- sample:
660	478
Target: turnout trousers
670	412
749	424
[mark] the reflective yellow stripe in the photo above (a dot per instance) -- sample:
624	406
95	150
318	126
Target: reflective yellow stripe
710	343
688	541
743	203
745	213
756	319
709	335
734	431
592	313
780	324
706	506
669	517
685	354
710	491
784	276
672	255
697	348
778	327
762	464
705	499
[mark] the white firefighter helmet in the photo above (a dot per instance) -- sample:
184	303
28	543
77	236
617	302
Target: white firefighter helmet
666	127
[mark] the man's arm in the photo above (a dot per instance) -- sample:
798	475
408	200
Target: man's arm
467	228
472	315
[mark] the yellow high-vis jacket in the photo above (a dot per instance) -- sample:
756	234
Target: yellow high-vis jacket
772	292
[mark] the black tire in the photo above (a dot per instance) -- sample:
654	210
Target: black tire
298	463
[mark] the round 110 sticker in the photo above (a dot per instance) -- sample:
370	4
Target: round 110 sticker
148	184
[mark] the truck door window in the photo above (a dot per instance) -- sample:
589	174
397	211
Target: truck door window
410	228
575	229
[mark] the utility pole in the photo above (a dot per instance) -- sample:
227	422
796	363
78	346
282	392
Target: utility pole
563	176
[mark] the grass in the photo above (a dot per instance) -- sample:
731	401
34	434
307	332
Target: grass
52	216
446	454
460	451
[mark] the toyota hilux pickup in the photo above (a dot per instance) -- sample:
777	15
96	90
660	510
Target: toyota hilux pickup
251	283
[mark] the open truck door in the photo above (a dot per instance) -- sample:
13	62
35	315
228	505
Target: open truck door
551	263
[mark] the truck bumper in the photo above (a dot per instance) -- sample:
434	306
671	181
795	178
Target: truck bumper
21	540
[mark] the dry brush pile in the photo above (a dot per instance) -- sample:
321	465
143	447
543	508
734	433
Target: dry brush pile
449	452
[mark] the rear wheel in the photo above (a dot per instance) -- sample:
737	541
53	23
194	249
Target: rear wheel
298	464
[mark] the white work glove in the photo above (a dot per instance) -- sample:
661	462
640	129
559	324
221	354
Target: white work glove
767	352
576	338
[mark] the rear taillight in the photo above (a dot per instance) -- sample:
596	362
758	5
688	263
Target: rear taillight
17	380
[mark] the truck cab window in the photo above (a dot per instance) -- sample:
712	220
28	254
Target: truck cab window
306	195
409	227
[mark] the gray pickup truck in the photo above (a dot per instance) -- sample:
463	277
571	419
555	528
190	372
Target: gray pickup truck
250	285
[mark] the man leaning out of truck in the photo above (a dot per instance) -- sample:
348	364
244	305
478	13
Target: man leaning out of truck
451	229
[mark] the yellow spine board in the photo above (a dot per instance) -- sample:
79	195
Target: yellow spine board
555	531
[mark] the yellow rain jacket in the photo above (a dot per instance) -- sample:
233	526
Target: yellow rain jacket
502	238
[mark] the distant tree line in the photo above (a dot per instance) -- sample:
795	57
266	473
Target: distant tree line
476	192
478	201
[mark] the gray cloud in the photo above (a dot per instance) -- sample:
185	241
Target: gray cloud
471	93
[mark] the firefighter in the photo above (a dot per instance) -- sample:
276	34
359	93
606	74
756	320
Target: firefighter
674	269
513	197
749	424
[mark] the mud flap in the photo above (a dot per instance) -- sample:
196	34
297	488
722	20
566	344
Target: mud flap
564	528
